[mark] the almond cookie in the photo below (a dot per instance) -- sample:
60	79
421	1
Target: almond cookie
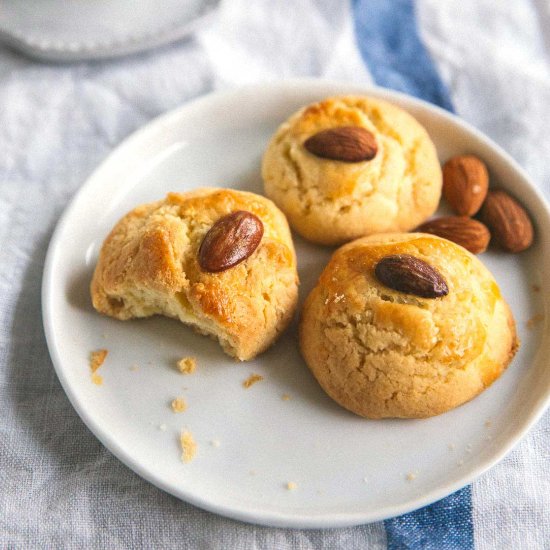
351	166
219	260
406	325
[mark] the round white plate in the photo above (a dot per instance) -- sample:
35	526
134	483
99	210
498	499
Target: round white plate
347	470
58	30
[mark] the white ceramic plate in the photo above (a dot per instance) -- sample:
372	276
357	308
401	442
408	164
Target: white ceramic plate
265	441
58	30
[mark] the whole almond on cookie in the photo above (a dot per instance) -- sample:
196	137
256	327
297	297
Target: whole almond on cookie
411	275
345	144
465	184
230	241
508	221
471	234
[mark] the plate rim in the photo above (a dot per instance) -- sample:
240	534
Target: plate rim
54	50
290	520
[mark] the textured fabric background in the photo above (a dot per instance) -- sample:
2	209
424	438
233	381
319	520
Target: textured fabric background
59	488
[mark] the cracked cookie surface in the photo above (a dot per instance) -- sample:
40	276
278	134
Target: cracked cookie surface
382	353
331	202
149	265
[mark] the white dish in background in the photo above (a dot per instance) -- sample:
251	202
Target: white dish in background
57	30
265	441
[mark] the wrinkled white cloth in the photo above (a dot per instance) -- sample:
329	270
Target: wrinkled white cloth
59	487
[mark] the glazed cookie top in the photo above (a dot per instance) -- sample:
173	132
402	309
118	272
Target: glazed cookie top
331	201
151	263
384	352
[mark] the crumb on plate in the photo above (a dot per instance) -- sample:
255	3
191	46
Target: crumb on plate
187	365
97	358
535	320
252	379
178	405
291	486
188	446
286	397
215	443
411	476
97	379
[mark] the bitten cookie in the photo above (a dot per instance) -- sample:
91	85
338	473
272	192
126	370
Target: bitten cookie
219	260
350	166
436	337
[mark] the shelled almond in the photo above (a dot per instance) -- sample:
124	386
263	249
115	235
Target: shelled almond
471	234
465	184
508	221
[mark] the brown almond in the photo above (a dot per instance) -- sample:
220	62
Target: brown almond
465	184
470	234
411	275
231	240
346	144
508	221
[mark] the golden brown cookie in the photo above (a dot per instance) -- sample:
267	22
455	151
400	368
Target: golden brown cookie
381	352
332	201
149	264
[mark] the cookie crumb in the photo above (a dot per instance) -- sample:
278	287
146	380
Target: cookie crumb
411	476
535	288
178	405
251	380
535	320
488	424
97	379
187	365
134	368
286	397
162	427
188	446
215	443
291	486
97	358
